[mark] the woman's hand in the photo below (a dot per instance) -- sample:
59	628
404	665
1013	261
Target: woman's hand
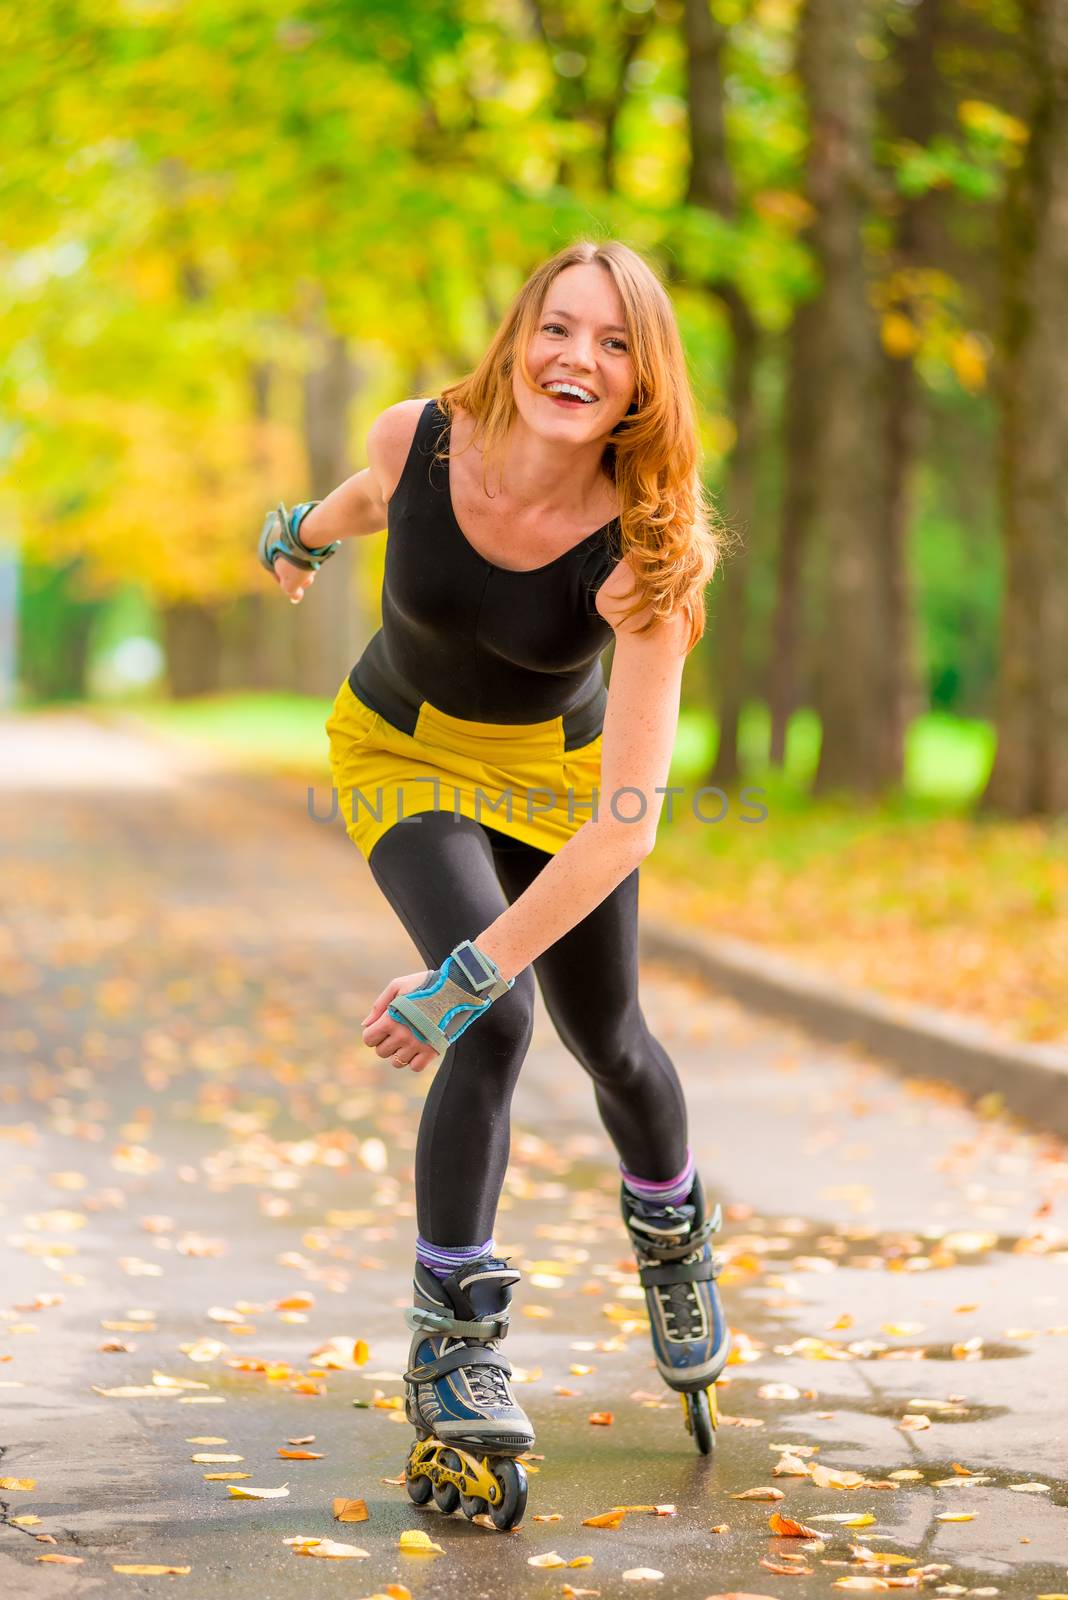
393	1040
293	579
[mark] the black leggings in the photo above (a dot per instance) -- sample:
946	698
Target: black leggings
448	878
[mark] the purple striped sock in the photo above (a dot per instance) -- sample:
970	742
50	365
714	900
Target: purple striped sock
668	1193
442	1259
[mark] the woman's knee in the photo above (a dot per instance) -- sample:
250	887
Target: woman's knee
620	1052
504	1032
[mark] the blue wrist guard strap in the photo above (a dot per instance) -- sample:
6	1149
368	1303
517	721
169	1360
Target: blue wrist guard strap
465	985
279	538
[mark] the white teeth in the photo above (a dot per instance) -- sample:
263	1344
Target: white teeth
570	389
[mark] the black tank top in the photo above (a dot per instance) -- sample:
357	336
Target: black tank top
478	641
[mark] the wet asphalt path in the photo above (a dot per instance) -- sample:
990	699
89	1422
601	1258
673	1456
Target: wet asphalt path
195	1146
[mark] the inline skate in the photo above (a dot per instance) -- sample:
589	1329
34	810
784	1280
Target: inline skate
469	1428
677	1270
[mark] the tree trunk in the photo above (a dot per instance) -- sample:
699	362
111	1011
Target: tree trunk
849	476
257	641
914	116
740	502
327	623
1030	775
799	450
192	643
711	185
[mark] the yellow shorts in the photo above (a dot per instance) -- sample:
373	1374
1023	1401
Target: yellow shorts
515	777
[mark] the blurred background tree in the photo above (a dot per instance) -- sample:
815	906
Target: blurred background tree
233	233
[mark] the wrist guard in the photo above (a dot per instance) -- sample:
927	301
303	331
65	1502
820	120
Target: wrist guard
455	995
279	538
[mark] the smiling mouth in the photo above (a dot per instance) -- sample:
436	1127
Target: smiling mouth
569	399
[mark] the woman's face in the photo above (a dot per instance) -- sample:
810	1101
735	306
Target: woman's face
580	340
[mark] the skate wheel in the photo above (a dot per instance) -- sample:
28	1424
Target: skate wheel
418	1485
419	1490
473	1505
447	1495
699	1420
512	1478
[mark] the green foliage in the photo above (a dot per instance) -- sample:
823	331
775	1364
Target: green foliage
947	759
194	190
55	617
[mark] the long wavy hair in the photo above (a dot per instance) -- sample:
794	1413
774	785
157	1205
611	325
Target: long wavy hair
669	528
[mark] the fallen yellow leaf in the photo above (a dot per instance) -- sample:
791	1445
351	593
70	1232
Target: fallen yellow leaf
340	1353
415	1542
955	1516
18	1483
350	1510
850	1519
141	1570
642	1575
203	1349
832	1478
331	1550
759	1494
260	1494
62	1561
787	1528
970	1482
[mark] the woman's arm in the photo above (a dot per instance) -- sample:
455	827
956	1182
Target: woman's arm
639	735
355	507
358	506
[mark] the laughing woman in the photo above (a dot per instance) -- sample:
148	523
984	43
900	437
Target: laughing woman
546	505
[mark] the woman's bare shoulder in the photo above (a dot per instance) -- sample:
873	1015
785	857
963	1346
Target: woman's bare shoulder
389	439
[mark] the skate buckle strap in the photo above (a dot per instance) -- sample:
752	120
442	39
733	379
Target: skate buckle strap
421	1320
677	1252
463	1355
675	1272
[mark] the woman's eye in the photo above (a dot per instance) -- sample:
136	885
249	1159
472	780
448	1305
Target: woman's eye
555	327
